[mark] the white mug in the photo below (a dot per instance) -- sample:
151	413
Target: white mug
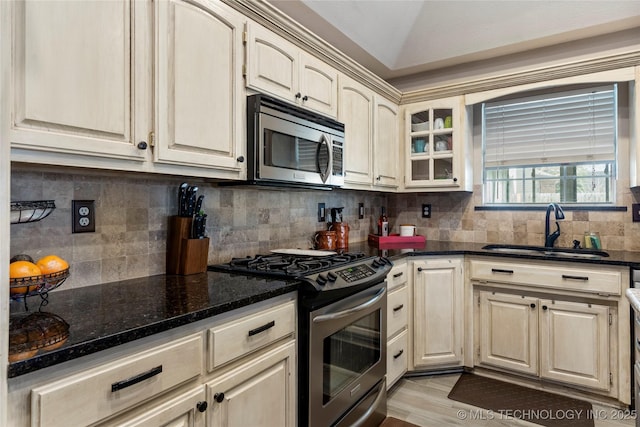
438	124
407	230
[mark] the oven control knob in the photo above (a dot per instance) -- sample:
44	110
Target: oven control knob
376	263
332	276
321	280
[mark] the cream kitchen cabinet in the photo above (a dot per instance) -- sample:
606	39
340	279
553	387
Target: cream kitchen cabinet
261	392
355	110
199	90
385	145
128	98
278	67
80	74
397	322
543	337
172	378
438	316
562	323
437	150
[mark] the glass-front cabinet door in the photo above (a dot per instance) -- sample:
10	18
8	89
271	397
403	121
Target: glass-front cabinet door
435	145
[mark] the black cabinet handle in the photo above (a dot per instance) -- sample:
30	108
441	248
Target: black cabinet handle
533	305
500	270
298	95
455	179
544	307
262	328
569	277
398	354
305	98
142	145
240	159
201	406
419	268
398	307
395	276
218	397
136	379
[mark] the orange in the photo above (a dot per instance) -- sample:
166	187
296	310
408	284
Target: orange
22	269
52	264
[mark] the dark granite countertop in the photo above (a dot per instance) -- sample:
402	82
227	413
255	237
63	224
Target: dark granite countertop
107	315
104	316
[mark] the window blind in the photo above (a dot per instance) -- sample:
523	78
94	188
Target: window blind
568	127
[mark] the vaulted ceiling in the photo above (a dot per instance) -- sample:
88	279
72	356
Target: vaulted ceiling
398	38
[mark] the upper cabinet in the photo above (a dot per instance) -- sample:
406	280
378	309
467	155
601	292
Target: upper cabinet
76	69
278	67
356	112
94	86
199	87
386	143
437	146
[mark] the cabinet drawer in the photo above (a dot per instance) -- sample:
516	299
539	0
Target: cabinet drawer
234	339
92	395
396	358
397	276
396	310
575	277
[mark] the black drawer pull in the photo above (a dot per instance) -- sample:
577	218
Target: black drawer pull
567	276
262	328
500	270
135	380
398	307
398	354
395	276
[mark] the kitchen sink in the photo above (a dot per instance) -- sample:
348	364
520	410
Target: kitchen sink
548	252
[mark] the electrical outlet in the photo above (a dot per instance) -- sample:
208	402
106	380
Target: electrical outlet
635	208
322	216
360	210
83	216
426	210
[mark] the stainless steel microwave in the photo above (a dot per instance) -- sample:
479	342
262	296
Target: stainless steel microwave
290	146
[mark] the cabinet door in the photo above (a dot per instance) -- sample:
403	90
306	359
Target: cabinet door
260	393
199	85
386	145
437	313
318	85
72	68
437	146
574	343
272	63
508	332
355	110
183	410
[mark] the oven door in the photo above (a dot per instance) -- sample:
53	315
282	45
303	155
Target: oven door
292	152
347	353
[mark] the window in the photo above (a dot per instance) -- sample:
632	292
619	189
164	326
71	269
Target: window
558	147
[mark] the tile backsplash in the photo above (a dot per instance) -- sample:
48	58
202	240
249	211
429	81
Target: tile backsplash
132	213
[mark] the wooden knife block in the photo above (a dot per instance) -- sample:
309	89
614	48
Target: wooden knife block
184	255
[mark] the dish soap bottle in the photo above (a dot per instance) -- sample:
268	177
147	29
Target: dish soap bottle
383	224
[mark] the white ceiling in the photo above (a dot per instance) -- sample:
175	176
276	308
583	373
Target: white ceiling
397	38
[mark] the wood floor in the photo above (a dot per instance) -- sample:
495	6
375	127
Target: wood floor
423	401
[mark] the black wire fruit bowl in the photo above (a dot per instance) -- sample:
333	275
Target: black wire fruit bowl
36	285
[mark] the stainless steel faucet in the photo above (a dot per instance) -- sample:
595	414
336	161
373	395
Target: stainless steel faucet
550	238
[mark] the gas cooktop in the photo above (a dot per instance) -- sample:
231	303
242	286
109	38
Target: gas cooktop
287	265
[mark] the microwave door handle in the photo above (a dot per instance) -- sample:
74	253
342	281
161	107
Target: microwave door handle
324	145
347	312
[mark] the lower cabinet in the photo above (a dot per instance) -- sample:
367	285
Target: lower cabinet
246	378
259	393
397	323
543	337
438	312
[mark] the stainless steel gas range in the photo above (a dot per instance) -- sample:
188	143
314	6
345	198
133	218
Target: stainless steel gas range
341	335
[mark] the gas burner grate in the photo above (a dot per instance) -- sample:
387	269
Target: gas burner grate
291	265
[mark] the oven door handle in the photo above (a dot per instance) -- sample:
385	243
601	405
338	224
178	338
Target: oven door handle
360	421
347	312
